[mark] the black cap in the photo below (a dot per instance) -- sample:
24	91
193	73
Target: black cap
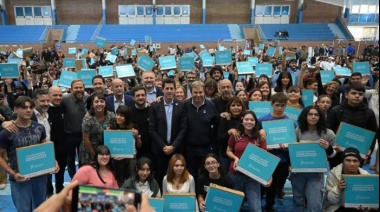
353	153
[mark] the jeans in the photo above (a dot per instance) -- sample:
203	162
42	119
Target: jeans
251	189
225	162
28	195
310	185
279	177
3	173
61	158
73	142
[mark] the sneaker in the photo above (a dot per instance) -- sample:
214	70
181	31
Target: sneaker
3	186
280	194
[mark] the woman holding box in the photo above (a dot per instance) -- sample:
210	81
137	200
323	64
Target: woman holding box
250	133
93	126
124	166
312	127
212	172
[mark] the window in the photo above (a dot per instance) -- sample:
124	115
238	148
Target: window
140	10
177	10
363	9
46	11
37	11
148	10
19	11
122	10
285	10
355	8
277	10
28	11
131	10
372	9
268	10
185	10
160	10
259	10
168	10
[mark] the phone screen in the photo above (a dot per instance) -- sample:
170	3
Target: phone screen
90	198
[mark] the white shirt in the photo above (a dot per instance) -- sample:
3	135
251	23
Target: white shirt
117	103
45	122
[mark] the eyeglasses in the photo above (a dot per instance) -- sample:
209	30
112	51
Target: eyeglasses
211	163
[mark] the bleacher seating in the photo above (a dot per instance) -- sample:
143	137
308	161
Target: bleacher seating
11	34
166	33
299	32
85	32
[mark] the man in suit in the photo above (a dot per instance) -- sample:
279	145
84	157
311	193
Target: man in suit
119	96
167	127
148	82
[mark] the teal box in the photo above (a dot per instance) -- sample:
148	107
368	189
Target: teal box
352	136
120	142
86	76
361	190
253	60
111	58
261	46
157	204
36	160
271	51
66	78
167	62
257	164
186	63
327	76
307	157
145	63
115	50
362	67
308	97
279	132
247	52
106	71
69	62
133	42
244	68
223	57
101	42
72	50
264	68
223	199
342	71
208	61
179	202
260	108
293	113
226	74
85	50
191	54
9	70
125	71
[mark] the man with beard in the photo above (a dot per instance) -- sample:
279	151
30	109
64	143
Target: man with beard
225	88
148	82
74	109
216	73
119	96
190	78
140	117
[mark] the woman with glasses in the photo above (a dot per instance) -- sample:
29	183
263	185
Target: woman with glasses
250	133
178	179
100	172
211	172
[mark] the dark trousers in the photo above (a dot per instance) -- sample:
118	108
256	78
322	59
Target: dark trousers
123	169
194	157
72	143
60	152
279	177
160	166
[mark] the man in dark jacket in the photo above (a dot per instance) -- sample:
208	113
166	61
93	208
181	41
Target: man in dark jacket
352	111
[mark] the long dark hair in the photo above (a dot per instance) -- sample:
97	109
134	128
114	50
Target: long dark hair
302	120
102	150
100	96
278	87
139	165
255	131
126	113
211	155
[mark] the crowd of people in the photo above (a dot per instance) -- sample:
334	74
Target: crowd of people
190	128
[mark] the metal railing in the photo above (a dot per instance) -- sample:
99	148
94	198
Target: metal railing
44	33
97	30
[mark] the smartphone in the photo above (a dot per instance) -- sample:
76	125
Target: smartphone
92	198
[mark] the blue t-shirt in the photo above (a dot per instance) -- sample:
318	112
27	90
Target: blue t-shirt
28	136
